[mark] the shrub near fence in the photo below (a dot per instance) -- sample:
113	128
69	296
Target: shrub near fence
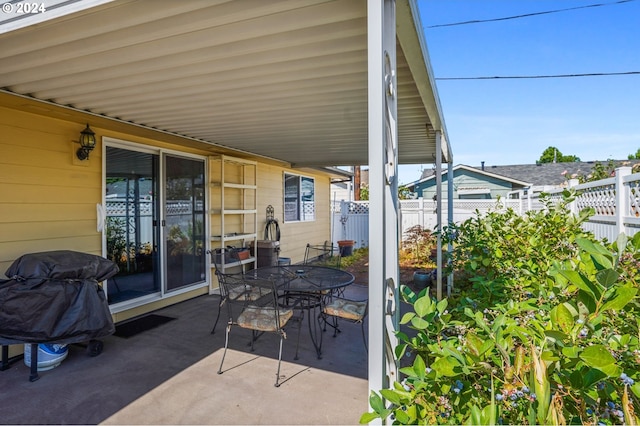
546	334
616	202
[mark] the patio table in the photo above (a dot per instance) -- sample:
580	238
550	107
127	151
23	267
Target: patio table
303	286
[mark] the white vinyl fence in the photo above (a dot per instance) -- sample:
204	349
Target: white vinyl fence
351	218
616	201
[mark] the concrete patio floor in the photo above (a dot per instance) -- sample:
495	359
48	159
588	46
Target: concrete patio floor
168	375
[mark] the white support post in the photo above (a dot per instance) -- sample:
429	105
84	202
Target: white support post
572	205
622	198
383	194
344	217
439	215
450	219
421	212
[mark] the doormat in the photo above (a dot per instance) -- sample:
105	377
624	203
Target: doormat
136	326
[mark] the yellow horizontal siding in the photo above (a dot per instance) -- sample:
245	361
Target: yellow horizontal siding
47	200
35	212
294	236
48	197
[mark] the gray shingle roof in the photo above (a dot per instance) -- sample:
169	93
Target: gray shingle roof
550	173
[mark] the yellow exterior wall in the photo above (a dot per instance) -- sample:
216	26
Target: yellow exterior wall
48	197
46	201
294	236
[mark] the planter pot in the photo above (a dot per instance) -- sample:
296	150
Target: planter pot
346	247
422	279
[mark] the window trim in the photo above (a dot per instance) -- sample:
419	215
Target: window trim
300	210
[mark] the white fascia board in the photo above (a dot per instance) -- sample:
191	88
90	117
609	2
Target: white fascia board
24	14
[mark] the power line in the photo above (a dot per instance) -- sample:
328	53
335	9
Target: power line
478	21
594	74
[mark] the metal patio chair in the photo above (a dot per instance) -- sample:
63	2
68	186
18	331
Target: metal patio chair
216	258
336	308
322	254
252	303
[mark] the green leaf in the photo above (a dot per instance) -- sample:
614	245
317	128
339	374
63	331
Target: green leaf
581	282
561	317
486	346
420	323
391	396
597	356
636	386
423	306
607	277
442	305
419	367
489	415
474	343
575	378
623	295
376	402
599	254
367	418
571	351
402	417
444	366
475	417
589	304
592	377
557	336
611	370
407	317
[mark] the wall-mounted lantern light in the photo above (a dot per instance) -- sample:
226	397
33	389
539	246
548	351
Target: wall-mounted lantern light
87	143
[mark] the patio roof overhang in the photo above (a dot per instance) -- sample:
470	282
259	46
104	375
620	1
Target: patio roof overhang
285	80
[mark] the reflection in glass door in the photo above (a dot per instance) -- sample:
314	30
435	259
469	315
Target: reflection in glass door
184	225
131	207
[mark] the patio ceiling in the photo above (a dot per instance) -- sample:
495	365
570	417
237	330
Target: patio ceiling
283	79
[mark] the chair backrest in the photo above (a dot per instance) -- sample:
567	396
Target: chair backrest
222	256
250	292
322	254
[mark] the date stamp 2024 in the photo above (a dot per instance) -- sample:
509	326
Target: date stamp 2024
23	8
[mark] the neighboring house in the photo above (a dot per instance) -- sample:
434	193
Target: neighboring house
191	99
348	189
547	176
468	184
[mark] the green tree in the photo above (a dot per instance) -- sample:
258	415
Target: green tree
635	156
403	192
553	155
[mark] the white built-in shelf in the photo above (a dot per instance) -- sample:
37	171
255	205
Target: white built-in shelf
234	192
240	262
234	237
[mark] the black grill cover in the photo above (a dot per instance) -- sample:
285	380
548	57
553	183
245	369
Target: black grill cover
55	297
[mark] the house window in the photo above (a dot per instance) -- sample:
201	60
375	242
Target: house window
299	198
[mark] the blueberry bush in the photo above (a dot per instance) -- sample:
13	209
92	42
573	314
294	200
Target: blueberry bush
544	331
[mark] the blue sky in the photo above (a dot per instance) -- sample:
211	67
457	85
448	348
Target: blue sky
512	121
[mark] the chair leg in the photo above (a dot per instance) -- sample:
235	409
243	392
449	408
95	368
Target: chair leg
364	337
213	330
226	344
336	329
279	361
299	329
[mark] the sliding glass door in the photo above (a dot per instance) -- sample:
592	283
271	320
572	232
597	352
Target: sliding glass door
154	222
184	221
131	223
